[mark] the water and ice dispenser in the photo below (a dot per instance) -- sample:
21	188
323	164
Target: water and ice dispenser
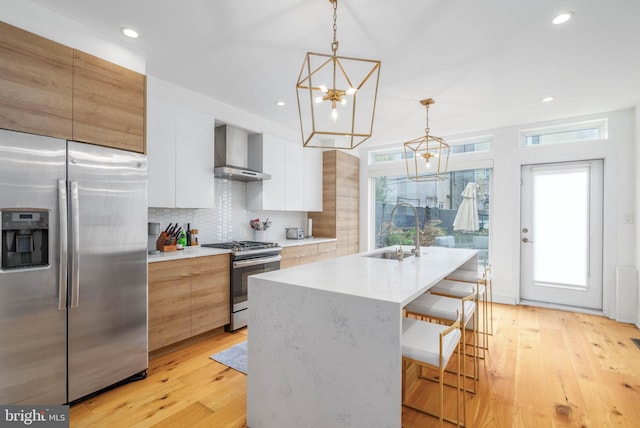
25	238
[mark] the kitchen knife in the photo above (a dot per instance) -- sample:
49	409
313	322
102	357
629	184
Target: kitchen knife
177	234
167	229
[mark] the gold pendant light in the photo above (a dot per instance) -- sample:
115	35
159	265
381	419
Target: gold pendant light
336	97
427	157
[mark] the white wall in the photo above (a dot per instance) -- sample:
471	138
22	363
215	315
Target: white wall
507	157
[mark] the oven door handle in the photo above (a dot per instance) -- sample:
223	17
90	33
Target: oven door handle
258	261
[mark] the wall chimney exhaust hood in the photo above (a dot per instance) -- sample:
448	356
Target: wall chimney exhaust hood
232	155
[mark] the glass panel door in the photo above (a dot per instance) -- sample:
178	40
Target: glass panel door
561	234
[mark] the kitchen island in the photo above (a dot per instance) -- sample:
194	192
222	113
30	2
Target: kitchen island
324	339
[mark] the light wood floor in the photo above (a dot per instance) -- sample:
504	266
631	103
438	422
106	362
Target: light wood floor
545	368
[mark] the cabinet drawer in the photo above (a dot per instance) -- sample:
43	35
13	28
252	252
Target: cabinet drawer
210	318
171	332
168	300
209	289
173	269
210	263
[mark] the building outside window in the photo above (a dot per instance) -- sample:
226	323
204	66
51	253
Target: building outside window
437	204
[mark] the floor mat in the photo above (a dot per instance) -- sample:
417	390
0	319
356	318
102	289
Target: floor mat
234	357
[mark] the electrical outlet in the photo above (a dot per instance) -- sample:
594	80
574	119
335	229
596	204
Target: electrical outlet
629	219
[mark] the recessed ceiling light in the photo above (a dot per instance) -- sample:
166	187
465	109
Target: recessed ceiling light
280	103
547	99
562	18
129	32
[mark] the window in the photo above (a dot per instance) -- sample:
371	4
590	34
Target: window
397	154
437	204
582	131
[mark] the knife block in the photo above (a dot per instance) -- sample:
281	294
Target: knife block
161	243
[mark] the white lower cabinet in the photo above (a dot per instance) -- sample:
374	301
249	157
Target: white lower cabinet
180	153
296	176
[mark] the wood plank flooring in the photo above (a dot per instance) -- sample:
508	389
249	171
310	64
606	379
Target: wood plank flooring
545	368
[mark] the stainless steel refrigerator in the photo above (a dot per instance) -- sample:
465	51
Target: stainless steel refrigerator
73	272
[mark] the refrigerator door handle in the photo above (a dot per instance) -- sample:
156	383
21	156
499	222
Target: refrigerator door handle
62	215
75	245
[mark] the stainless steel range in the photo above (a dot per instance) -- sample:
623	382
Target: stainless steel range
247	258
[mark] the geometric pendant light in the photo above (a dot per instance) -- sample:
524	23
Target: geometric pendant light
336	97
427	157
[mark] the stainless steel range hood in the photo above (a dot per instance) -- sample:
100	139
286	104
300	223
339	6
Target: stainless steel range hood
232	155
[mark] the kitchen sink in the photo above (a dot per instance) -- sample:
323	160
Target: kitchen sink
389	254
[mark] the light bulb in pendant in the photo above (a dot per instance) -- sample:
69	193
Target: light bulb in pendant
319	100
351	91
324	88
334	113
343	102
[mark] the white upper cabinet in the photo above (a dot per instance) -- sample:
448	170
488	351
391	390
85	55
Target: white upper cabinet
294	177
295	183
161	170
312	179
266	154
180	153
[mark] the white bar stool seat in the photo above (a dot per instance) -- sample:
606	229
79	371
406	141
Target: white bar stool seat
431	345
447	309
460	289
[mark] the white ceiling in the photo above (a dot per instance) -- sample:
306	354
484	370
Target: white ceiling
487	63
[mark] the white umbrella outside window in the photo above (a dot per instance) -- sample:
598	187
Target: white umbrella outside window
467	215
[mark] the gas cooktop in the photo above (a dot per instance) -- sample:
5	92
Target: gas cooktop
239	246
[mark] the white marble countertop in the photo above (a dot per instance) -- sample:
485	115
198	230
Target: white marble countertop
381	279
305	241
186	253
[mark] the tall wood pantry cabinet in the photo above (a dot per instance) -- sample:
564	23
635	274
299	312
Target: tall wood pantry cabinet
340	201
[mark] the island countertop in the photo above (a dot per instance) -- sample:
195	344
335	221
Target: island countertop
324	339
398	281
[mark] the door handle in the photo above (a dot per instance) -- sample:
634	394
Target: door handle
527	240
62	217
75	246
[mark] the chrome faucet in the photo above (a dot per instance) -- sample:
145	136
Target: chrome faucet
416	250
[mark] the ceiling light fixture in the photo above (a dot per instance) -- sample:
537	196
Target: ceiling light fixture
336	97
129	32
433	150
547	99
562	18
280	103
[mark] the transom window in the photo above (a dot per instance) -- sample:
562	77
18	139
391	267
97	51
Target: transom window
580	131
396	154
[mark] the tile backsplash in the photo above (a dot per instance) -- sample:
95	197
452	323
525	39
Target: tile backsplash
229	219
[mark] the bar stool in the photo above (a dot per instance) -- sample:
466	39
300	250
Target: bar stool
431	345
444	309
485	278
460	289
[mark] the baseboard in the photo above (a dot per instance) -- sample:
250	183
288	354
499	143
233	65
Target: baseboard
562	307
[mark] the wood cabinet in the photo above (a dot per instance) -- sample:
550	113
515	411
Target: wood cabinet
340	201
297	255
108	104
36	84
296	179
186	298
50	89
180	152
